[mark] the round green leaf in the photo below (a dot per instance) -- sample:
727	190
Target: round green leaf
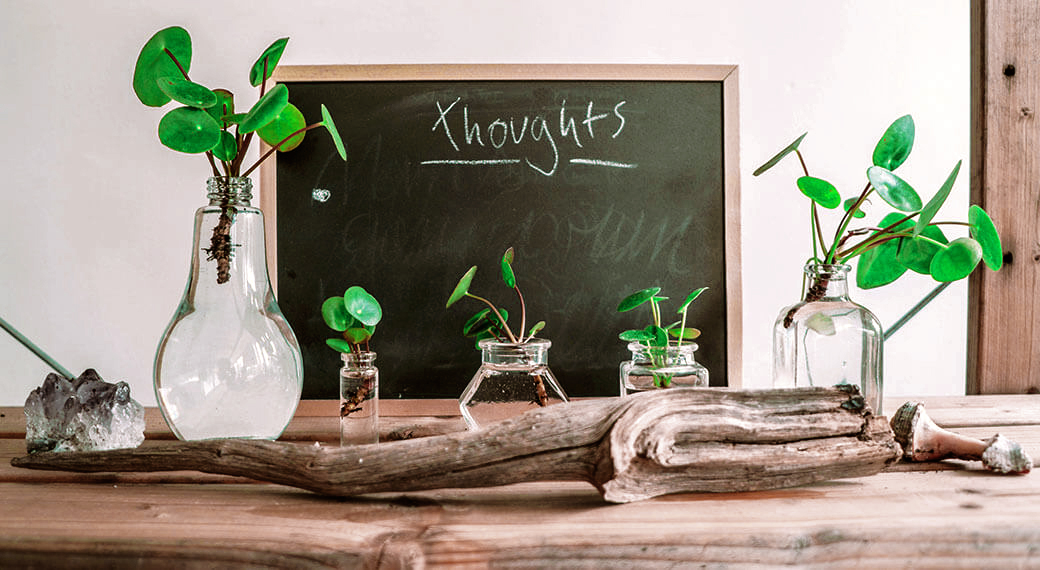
689	299
507	268
334	312
895	145
659	337
536	328
894	189
326	120
286	123
462	287
187	92
933	205
266	109
190	130
957	260
362	306
981	228
859	213
917	253
637	298
477	324
224	106
688	333
272	54
779	156
820	191
358	335
880	265
227	149
338	344
636	336
153	62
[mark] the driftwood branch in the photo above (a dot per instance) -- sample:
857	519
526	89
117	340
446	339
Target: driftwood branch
633	448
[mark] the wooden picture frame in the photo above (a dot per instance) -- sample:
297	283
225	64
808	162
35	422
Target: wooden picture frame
723	75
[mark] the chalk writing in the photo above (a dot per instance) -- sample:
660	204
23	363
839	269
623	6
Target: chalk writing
500	132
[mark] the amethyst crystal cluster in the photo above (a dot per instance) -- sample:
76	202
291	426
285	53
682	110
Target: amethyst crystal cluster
85	414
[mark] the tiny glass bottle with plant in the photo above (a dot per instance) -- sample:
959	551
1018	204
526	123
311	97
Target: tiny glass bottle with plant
355	316
826	338
662	356
228	363
514	374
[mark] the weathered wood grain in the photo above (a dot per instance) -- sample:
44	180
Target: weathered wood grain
689	440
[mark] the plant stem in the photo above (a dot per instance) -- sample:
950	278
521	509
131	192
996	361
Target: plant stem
883	235
505	327
277	146
177	63
846	220
523	313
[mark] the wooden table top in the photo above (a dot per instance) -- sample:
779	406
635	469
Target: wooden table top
950	514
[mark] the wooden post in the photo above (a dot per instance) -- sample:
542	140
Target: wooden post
1004	307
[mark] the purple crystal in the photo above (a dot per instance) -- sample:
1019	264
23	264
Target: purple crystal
84	414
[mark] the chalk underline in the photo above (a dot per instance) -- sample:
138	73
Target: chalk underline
506	161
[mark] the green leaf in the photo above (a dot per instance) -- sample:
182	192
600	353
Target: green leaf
636	336
536	328
224	106
957	260
659	336
894	189
335	314
879	265
338	344
187	92
917	253
859	213
153	62
227	149
478	323
362	306
820	191
933	205
637	298
358	335
234	118
895	145
326	119
462	288
507	269
689	299
286	123
266	109
190	130
779	156
688	333
981	227
821	323
272	54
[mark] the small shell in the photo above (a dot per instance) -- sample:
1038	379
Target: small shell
903	423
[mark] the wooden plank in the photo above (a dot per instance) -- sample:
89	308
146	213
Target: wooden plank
1004	307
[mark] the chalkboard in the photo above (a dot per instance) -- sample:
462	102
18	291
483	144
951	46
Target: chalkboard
604	179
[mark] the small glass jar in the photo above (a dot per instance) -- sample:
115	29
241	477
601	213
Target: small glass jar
512	379
358	399
657	367
826	339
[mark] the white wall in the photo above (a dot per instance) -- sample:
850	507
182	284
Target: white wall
95	222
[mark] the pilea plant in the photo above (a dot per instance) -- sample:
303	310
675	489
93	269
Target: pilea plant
354	315
655	336
908	238
206	121
492	322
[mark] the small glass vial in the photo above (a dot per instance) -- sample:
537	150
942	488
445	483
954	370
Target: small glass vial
358	399
827	339
660	367
512	379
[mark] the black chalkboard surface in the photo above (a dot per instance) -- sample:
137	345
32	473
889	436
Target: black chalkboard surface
604	179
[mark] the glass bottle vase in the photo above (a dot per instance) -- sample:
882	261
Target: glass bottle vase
657	367
358	399
228	364
826	339
512	379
